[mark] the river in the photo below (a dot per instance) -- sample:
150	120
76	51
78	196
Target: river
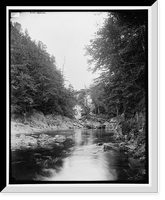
81	157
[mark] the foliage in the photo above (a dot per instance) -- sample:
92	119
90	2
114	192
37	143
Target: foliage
83	100
36	82
97	95
118	52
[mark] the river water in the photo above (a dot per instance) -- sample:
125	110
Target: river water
80	158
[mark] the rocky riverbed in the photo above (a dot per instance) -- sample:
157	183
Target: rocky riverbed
38	122
30	134
23	141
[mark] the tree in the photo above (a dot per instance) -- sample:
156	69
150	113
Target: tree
97	95
83	100
118	51
36	82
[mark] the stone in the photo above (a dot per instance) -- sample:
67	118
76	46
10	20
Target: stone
59	138
44	136
110	146
130	147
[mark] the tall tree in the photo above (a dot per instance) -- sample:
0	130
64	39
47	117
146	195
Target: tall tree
36	82
118	51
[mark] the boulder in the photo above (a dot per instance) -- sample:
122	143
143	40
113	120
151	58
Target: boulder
31	141
130	147
59	138
110	146
43	136
45	141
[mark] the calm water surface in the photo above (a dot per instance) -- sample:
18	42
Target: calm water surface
80	158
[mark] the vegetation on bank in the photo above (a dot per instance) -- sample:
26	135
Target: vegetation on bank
36	82
119	53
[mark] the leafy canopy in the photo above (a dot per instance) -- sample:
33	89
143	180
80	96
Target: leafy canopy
118	52
36	82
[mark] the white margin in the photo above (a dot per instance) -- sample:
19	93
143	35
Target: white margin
152	187
7	96
153	94
76	8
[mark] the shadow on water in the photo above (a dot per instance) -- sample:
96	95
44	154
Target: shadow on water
80	157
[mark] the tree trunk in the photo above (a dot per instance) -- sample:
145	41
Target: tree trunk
117	111
98	110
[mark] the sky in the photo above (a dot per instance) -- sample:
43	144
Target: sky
65	34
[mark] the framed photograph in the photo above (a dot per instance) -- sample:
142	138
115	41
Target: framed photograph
82	85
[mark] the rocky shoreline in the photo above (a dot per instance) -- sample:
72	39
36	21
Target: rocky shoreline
24	136
136	158
36	141
38	122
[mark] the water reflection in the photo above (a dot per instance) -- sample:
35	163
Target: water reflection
78	137
80	159
84	168
87	161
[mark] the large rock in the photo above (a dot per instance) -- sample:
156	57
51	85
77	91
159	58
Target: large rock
31	141
130	147
46	141
43	136
59	138
110	146
23	141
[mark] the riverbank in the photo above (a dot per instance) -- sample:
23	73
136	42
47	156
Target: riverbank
128	136
133	142
38	122
23	129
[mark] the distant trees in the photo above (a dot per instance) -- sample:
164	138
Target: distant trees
119	52
36	82
84	101
97	94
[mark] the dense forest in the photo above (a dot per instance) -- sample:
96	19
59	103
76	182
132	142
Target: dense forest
119	53
36	82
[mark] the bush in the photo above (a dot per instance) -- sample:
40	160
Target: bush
134	124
